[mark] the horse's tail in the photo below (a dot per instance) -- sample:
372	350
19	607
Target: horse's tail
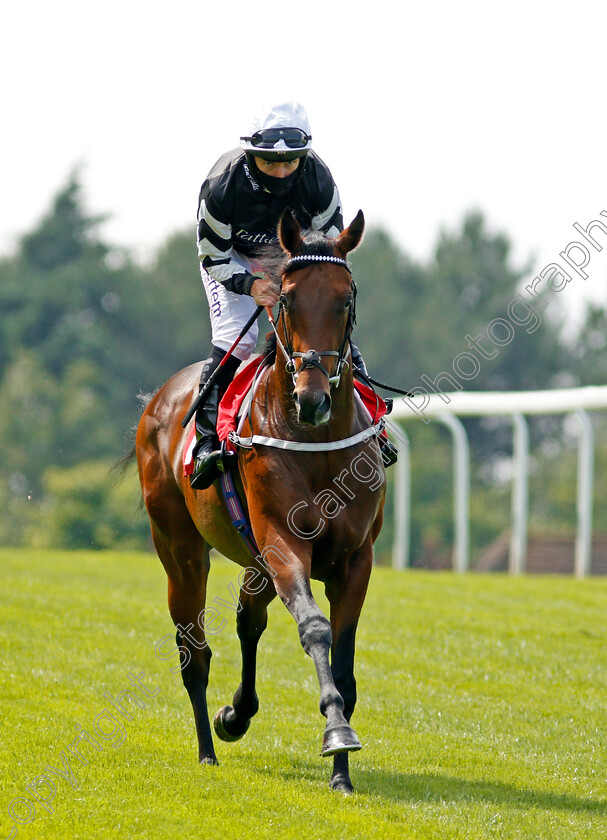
125	462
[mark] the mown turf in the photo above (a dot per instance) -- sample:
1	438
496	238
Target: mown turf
482	708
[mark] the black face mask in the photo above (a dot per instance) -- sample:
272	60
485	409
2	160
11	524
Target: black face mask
277	186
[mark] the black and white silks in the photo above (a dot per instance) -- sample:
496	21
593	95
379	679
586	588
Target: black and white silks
236	215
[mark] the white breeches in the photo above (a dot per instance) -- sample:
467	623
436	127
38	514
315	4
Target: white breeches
229	313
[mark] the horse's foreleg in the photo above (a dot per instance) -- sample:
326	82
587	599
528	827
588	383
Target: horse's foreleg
293	587
346	598
231	722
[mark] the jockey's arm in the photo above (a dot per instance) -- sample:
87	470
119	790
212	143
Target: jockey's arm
330	220
218	257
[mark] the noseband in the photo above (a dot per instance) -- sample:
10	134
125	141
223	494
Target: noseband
312	358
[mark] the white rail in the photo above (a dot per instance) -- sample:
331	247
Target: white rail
447	408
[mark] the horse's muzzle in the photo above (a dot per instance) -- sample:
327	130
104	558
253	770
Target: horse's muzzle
313	407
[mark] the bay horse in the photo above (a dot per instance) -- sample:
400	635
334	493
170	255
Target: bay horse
299	528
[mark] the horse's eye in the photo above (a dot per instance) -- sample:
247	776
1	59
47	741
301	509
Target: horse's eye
282	301
348	302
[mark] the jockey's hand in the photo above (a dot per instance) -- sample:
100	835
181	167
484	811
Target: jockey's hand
264	291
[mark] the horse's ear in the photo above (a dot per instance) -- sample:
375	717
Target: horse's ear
289	232
350	238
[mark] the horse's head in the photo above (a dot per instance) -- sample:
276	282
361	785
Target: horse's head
317	312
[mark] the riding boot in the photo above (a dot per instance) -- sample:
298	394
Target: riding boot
206	453
389	452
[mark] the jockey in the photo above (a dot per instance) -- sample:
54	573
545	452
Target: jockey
239	206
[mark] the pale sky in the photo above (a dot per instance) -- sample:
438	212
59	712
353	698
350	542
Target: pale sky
422	111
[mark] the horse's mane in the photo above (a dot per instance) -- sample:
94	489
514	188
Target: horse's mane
316	244
272	259
269	348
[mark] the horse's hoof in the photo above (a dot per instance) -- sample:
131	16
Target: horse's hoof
340	739
208	759
342	784
220	727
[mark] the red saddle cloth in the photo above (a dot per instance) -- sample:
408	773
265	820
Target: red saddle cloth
227	415
227	418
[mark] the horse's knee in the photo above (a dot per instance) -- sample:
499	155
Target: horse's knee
315	636
314	630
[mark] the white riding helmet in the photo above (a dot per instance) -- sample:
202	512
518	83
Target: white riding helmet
281	132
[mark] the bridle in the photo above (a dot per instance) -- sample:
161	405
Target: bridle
312	358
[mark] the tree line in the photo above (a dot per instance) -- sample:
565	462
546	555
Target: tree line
86	328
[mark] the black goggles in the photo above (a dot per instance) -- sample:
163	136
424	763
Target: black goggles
293	138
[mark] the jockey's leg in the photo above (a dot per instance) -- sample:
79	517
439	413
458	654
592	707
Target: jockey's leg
206	451
229	313
389	452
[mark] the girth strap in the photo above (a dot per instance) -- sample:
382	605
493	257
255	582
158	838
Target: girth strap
237	514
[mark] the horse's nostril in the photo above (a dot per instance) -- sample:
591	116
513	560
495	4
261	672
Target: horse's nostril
324	407
313	407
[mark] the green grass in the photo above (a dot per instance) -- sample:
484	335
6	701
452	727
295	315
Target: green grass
482	708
